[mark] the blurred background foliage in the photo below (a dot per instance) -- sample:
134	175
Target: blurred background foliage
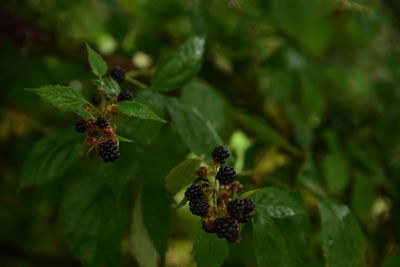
306	94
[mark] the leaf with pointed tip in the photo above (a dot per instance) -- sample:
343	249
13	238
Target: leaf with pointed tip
97	63
123	139
281	228
181	67
249	193
181	203
141	246
144	131
138	110
64	98
343	242
195	130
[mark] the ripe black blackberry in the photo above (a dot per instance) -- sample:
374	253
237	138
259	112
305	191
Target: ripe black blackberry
80	126
246	218
199	207
102	122
228	229
125	95
226	175
118	74
220	154
194	192
250	205
240	209
109	151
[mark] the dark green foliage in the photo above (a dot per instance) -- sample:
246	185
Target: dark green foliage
304	93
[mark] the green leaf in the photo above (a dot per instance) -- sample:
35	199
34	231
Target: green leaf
208	249
342	240
182	174
110	87
307	177
211	104
156	200
249	193
300	21
194	129
64	98
181	203
266	134
156	206
392	260
281	227
93	222
362	196
138	110
51	158
181	67
144	131
123	139
335	168
141	246
98	65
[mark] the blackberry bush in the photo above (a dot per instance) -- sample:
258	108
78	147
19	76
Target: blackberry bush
217	203
305	94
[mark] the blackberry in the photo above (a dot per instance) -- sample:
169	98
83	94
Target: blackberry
240	209
228	229
199	207
109	151
194	192
226	175
102	122
250	205
80	126
220	154
118	74
244	219
125	95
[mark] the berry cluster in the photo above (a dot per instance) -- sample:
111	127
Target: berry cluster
100	134
216	200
